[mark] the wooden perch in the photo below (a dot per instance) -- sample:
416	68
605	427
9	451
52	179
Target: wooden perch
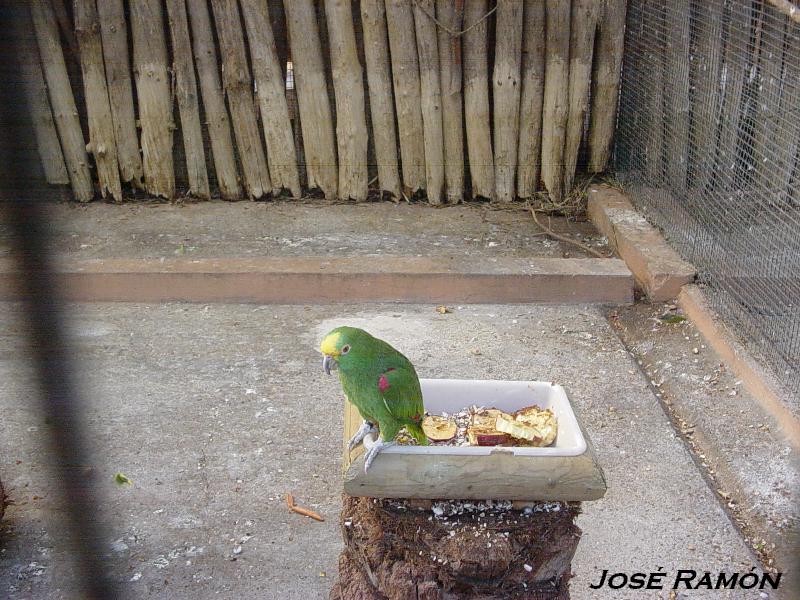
376	54
450	14
405	75
348	84
188	103
605	82
239	89
431	99
155	99
529	156
219	129
271	88
506	82
556	97
476	99
316	119
65	112
584	23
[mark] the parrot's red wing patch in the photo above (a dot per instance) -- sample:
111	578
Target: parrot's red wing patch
383	383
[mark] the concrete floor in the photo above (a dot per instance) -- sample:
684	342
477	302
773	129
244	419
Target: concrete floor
215	412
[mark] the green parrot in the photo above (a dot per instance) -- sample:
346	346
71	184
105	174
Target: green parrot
380	382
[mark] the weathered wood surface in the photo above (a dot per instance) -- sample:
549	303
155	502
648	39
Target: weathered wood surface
101	126
556	97
271	91
582	28
606	75
155	98
65	112
376	54
476	99
188	101
450	14
654	147
529	155
238	84
405	75
431	99
506	83
44	128
348	84
316	119
677	96
219	129
114	31
507	477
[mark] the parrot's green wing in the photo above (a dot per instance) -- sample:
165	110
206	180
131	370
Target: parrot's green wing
402	395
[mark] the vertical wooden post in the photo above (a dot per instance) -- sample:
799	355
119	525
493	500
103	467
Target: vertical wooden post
529	156
506	79
312	95
114	30
605	82
584	23
271	90
44	128
65	112
405	75
677	96
431	99
348	84
654	145
188	104
101	126
450	13
239	89
556	97
376	54
476	99
155	100
219	130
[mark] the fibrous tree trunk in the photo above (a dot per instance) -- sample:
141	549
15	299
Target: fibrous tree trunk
44	128
451	13
219	129
476	99
188	102
405	75
605	82
316	120
65	113
155	99
556	96
348	85
271	88
506	82
101	126
431	99
529	155
584	23
114	30
239	89
376	54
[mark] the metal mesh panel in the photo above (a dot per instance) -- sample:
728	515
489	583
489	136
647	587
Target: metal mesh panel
707	145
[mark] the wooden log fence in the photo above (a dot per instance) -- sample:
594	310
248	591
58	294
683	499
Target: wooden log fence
205	82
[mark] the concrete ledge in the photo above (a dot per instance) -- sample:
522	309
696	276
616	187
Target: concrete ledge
755	380
659	271
308	280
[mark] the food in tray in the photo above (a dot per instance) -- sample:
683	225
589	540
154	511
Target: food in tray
439	429
537	426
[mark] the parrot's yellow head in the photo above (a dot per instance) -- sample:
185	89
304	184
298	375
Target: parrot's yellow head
343	345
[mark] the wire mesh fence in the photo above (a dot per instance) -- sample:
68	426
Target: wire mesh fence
707	144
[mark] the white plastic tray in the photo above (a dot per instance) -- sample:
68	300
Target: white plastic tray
452	395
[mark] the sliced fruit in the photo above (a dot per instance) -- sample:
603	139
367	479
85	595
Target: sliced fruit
439	429
533	424
482	430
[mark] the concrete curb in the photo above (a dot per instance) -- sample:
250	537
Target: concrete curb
314	280
659	271
739	361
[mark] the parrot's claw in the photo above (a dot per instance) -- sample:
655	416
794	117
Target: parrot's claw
365	429
373	452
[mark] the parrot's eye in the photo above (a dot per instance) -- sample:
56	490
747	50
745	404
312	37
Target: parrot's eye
345	348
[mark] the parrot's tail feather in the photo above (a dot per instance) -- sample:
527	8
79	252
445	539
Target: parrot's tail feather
417	433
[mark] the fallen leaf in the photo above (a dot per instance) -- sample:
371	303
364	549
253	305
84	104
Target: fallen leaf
122	479
672	319
443	310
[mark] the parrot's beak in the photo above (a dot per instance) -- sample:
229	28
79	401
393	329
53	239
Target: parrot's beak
328	363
